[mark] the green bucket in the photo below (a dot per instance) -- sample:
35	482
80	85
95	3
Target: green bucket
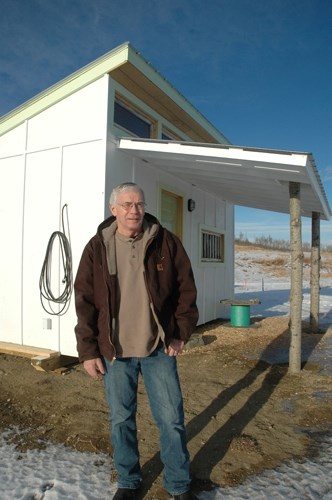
240	315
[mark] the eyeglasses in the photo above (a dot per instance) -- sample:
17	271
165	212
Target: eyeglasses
128	206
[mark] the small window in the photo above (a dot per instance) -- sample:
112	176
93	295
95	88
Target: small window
212	246
167	135
130	121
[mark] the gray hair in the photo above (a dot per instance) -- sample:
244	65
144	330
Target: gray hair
123	188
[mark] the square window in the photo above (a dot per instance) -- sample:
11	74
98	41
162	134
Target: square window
212	246
130	121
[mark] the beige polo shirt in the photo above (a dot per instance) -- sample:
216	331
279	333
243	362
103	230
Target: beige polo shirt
136	332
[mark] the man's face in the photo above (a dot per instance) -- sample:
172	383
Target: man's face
130	220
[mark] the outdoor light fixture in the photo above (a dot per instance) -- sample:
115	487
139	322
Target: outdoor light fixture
191	205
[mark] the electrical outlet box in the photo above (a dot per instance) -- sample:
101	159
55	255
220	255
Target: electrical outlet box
47	324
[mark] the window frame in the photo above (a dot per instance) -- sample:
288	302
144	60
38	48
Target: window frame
168	135
213	231
136	111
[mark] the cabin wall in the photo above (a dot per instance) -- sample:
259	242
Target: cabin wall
54	159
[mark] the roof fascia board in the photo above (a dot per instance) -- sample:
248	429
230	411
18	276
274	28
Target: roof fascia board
216	150
317	186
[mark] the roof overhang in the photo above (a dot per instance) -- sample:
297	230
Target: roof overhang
250	177
143	81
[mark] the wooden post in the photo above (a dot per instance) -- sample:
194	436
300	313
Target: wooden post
315	272
296	278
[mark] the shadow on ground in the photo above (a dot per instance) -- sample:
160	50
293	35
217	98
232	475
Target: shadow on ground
272	364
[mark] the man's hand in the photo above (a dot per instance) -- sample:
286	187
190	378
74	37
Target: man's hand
175	347
95	368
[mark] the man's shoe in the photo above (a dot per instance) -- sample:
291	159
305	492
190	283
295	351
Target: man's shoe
126	494
188	495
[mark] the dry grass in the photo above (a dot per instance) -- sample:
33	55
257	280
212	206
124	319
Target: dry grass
326	264
273	262
278	262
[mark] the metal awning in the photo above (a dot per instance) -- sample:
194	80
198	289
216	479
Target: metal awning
250	177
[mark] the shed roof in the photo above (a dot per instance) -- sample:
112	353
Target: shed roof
251	177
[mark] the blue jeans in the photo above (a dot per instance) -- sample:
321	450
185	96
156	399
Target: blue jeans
161	381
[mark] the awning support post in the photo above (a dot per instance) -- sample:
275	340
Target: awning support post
296	278
315	272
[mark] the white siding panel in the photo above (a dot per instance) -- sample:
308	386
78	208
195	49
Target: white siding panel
11	214
210	210
199	274
211	275
120	168
78	118
197	217
41	219
221	215
13	143
75	178
83	190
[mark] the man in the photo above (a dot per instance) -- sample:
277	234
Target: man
136	307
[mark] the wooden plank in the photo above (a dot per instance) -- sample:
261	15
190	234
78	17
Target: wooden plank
233	302
58	364
25	350
41	359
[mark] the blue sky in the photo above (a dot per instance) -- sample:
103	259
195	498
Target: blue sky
259	70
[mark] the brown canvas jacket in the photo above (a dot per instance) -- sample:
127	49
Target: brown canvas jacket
170	283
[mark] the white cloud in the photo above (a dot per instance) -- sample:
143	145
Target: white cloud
327	174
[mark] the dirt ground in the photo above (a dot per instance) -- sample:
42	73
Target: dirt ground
244	412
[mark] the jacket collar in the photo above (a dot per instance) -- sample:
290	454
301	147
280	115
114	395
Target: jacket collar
107	229
149	218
